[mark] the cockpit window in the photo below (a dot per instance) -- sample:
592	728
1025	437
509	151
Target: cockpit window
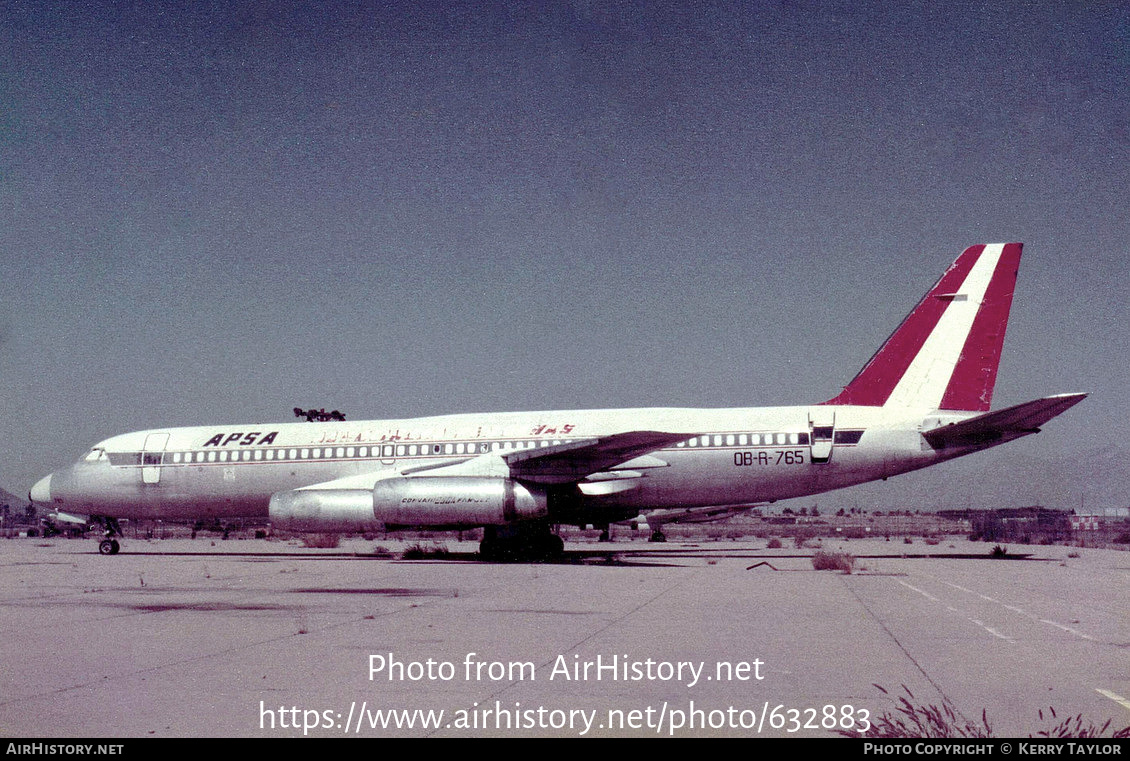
96	454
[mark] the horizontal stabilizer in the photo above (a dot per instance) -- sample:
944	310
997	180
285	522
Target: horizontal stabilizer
1002	425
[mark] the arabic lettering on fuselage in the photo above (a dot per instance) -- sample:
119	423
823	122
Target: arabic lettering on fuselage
259	438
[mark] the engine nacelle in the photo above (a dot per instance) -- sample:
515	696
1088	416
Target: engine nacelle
424	501
324	510
455	502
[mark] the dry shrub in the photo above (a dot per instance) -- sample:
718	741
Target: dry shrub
832	561
1076	726
421	551
911	719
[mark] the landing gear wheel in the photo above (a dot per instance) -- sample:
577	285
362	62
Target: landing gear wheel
521	544
108	547
554	546
658	536
489	550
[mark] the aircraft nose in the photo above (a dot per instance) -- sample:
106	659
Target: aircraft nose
41	492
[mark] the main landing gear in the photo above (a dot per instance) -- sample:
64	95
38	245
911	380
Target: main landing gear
109	545
521	542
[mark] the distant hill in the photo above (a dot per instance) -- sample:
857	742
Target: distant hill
16	508
13	502
10	499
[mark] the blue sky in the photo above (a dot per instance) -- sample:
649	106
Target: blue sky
217	213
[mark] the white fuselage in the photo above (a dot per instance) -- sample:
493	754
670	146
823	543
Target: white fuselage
732	456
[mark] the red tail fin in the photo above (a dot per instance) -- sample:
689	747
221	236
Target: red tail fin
945	353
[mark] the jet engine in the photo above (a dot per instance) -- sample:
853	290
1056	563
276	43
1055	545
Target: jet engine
453	502
329	510
423	501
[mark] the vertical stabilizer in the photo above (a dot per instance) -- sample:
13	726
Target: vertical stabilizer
945	353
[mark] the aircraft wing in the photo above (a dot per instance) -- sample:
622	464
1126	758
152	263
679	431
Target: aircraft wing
570	462
574	460
1002	425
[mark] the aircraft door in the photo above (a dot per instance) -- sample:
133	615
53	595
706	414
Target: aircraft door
151	457
822	429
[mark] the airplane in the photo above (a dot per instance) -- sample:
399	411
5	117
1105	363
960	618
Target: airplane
922	399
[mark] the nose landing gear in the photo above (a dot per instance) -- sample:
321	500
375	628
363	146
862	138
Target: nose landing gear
109	545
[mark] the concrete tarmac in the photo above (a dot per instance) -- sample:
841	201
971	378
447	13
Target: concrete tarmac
210	638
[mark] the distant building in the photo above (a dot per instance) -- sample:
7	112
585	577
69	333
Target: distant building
1098	519
1014	523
